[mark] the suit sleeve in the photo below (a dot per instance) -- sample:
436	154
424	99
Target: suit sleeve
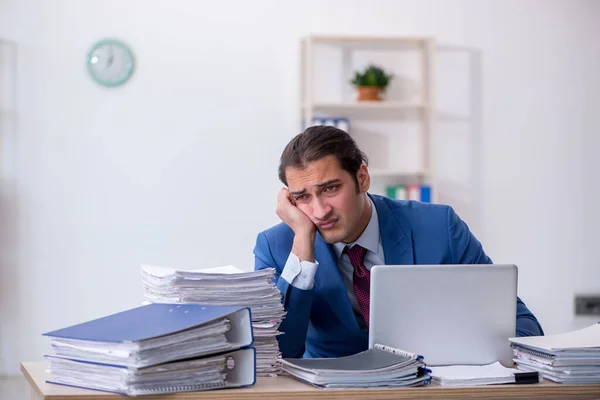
296	302
466	249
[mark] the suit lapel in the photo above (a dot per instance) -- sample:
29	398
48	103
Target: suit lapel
329	283
395	239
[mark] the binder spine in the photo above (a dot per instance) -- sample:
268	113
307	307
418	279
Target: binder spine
399	352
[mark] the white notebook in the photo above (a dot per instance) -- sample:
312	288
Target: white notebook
473	375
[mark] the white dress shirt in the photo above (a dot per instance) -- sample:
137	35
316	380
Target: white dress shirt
301	274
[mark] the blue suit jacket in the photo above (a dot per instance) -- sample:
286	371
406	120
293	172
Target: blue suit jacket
320	322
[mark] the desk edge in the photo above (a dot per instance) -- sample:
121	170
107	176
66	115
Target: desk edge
32	384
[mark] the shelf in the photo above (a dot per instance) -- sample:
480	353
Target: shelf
384	110
380	172
369	42
411	110
365	105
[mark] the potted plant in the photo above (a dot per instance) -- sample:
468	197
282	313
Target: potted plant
371	82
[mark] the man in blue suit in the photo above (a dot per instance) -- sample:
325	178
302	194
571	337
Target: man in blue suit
334	231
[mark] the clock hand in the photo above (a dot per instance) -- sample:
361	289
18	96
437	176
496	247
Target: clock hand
111	57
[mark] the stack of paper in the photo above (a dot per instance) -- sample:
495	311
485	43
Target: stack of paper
474	375
157	348
226	286
571	357
380	366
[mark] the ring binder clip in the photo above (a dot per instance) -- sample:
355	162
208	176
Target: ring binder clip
230	363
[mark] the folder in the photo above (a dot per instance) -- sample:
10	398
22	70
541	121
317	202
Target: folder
227	370
379	366
414	192
156	333
425	194
390	191
401	193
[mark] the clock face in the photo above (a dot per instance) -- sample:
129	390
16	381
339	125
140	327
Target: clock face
110	62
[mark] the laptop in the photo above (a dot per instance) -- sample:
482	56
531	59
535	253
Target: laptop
449	314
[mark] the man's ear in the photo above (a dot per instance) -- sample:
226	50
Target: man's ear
364	180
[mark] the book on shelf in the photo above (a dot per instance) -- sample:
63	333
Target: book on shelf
416	192
379	366
157	348
342	123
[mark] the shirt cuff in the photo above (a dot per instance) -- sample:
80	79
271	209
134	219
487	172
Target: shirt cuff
299	274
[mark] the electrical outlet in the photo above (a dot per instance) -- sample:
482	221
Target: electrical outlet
587	305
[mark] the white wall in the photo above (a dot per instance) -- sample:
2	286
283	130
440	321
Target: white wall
179	166
540	115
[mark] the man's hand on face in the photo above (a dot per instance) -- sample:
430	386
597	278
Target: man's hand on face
293	216
304	229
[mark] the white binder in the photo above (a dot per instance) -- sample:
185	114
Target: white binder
228	370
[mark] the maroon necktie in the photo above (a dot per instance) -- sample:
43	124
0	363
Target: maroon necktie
361	279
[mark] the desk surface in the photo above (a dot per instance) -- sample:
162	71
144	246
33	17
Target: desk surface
289	388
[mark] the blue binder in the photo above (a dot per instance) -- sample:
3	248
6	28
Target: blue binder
156	333
154	320
425	194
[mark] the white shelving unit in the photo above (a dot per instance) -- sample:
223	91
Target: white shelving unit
419	107
364	105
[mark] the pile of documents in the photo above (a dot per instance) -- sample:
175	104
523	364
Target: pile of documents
571	357
379	366
226	286
156	348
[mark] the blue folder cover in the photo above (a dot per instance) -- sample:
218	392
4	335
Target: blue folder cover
145	322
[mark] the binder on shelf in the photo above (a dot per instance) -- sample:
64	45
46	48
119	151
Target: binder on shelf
227	370
156	333
390	191
401	193
342	123
425	194
416	192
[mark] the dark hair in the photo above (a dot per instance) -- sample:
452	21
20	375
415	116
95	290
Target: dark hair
320	141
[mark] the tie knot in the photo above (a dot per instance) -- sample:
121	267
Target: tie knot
356	254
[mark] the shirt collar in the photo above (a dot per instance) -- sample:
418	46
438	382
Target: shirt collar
369	239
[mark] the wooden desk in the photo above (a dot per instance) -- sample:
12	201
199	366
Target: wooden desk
288	388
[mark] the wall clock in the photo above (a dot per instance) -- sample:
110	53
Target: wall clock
110	62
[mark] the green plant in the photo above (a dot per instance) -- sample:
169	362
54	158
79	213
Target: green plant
373	75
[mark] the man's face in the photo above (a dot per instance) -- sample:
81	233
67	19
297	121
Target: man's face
328	195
